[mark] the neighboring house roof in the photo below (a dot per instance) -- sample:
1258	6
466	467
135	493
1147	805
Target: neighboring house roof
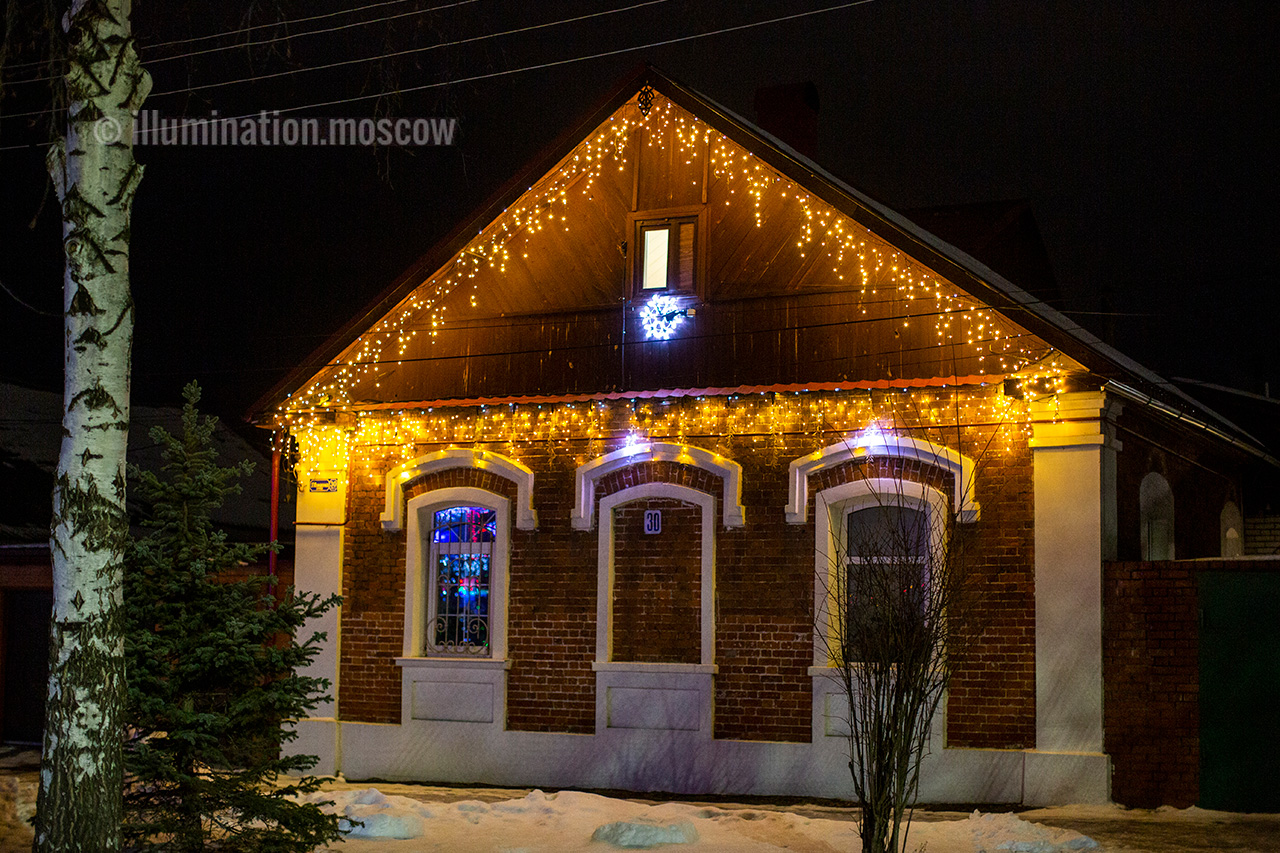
973	277
30	440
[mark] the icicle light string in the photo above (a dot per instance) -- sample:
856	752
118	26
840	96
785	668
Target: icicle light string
377	440
872	269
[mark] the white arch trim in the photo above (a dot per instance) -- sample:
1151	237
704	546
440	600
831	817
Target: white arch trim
460	457
869	444
584	484
830	506
605	574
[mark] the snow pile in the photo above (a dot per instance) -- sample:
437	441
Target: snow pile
999	832
17	807
575	822
645	833
563	822
370	813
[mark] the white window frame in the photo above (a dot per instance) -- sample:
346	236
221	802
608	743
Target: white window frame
605	575
831	509
419	595
669	264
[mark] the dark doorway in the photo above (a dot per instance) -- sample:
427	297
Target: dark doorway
26	663
1239	691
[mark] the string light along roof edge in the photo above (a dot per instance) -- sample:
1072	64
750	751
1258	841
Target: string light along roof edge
962	270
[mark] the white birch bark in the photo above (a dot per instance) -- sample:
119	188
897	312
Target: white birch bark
95	176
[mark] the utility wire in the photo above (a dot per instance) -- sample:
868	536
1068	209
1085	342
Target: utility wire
244	30
541	65
291	36
150	61
407	52
29	307
474	77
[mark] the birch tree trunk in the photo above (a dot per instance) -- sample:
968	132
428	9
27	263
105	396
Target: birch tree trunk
95	177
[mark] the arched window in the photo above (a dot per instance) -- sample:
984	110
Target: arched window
886	580
460	574
455	583
1155	500
878	540
1231	528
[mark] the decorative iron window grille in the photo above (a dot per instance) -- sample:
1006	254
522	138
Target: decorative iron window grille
462	541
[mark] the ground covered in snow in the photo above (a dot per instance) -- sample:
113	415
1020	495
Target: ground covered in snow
575	822
401	818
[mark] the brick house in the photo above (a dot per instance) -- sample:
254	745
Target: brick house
624	413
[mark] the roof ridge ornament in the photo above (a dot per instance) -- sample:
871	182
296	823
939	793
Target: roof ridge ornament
644	99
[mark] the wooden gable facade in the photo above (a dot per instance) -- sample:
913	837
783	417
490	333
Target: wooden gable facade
674	316
783	286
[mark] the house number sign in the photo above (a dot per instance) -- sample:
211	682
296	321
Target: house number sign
653	521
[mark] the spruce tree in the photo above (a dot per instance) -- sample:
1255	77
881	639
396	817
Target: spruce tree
212	660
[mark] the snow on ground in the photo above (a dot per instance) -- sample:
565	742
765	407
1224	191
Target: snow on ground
494	820
571	821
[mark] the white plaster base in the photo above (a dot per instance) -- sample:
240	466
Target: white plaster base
682	762
1059	778
321	737
318	569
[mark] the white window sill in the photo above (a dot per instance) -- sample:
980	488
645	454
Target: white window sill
452	663
623	666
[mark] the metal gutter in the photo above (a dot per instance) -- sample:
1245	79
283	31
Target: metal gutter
1252	446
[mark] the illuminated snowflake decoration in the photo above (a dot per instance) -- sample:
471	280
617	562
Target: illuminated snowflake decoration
661	315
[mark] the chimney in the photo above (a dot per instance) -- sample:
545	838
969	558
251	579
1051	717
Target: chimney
790	112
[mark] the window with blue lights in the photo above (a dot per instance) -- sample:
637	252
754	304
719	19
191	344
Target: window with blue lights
461	562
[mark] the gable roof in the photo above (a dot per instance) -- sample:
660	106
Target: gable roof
974	278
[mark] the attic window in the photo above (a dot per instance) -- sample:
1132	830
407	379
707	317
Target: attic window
666	255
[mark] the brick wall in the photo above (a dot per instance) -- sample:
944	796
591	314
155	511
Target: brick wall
992	700
551	614
764	592
1262	535
764	613
1151	677
1151	683
657	583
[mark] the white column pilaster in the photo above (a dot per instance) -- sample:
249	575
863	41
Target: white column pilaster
1074	454
322	507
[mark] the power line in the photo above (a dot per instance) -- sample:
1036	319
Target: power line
407	52
291	36
476	77
392	361
149	61
251	27
551	64
29	307
323	16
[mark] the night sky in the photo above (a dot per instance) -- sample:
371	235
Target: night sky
1142	134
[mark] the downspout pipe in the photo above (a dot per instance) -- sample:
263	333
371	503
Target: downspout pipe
274	531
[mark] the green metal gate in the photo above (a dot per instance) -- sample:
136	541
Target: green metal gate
1240	691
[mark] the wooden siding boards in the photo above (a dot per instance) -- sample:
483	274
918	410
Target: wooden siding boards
552	317
549	319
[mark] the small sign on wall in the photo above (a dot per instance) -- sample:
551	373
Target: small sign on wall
326	484
653	521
